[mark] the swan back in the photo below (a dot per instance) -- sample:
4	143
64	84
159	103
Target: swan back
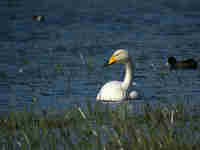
132	95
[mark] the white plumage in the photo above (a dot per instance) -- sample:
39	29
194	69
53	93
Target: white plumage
112	91
117	90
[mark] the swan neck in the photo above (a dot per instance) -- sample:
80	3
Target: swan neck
128	75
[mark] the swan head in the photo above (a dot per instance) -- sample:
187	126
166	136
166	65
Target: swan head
119	56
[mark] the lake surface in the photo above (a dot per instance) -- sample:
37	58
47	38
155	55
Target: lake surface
58	62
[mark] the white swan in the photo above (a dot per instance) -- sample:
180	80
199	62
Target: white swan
117	90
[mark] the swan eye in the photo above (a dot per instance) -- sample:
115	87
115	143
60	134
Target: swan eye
117	54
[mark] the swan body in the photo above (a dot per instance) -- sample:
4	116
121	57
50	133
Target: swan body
112	91
117	90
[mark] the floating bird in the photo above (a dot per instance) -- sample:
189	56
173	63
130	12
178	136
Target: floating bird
182	64
38	18
117	90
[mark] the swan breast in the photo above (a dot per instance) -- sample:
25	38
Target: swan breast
112	91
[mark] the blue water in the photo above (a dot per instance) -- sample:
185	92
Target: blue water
58	63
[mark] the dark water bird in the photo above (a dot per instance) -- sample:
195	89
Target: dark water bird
38	18
182	64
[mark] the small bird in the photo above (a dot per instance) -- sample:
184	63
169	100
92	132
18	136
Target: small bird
182	64
38	18
117	90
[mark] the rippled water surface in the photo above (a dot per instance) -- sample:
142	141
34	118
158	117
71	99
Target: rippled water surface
58	62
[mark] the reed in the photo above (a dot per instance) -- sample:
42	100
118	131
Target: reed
100	126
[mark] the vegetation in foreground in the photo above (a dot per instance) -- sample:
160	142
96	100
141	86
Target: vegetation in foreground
100	127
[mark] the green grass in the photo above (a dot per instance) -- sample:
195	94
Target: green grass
99	127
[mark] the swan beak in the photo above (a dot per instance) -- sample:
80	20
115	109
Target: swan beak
111	61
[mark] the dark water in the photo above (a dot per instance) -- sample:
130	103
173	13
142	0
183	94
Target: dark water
58	62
